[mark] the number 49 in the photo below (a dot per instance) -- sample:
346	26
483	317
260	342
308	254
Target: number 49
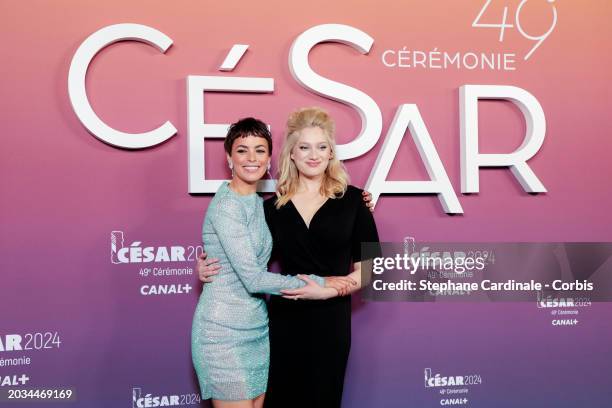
517	17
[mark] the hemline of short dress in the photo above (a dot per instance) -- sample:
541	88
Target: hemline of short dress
224	397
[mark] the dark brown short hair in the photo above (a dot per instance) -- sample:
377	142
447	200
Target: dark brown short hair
247	127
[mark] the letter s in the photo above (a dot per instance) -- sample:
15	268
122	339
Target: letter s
78	94
371	117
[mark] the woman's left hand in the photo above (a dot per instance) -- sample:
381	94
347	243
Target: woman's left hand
342	284
312	291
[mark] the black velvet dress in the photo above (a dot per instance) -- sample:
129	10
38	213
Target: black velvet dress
310	339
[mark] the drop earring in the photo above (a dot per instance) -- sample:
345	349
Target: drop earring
231	166
269	167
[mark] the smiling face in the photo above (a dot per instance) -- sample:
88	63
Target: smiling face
312	152
250	157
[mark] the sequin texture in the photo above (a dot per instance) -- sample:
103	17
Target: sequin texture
229	339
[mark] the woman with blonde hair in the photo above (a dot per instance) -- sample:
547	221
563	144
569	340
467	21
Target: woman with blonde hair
318	222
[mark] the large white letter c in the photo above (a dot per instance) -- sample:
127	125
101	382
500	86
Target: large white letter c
78	94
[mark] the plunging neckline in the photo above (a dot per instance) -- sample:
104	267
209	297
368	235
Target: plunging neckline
307	225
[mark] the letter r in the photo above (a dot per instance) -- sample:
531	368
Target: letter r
471	160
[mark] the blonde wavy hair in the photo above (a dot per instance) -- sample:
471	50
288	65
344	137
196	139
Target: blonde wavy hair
335	179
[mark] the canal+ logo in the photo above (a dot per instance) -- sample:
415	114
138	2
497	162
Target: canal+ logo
137	253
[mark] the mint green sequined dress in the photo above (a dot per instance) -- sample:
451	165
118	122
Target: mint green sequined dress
229	338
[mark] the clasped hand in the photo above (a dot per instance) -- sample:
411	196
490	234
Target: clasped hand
334	285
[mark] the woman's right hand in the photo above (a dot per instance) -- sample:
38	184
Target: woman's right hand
207	267
367	197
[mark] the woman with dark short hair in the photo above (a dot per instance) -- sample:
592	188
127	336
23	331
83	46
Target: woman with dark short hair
230	346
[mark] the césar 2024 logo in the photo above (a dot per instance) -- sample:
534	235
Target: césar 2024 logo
138	253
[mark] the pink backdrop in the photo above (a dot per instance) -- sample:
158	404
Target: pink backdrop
64	191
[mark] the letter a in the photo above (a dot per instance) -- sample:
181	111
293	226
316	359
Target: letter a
408	117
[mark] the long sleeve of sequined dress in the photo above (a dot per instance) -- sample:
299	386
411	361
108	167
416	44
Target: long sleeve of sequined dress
229	337
230	223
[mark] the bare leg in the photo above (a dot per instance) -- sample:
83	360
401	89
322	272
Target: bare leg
233	404
258	402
